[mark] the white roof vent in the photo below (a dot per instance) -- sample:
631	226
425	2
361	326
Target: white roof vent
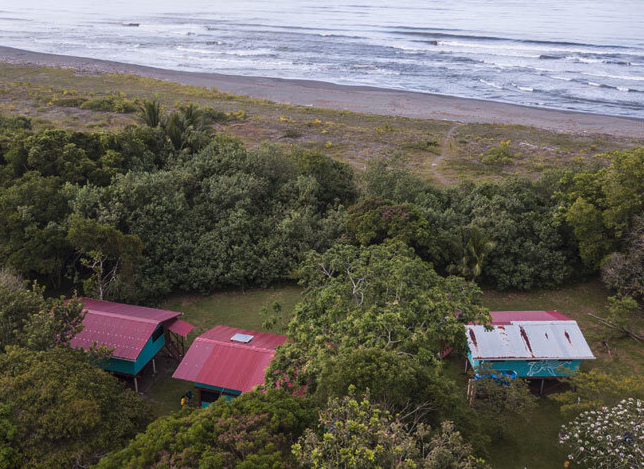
245	338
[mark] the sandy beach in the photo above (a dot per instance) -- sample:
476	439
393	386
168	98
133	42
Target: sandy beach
353	98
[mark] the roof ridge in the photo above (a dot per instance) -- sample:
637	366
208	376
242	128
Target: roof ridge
245	346
125	316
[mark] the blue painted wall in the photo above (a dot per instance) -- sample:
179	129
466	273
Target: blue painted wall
530	368
217	388
132	367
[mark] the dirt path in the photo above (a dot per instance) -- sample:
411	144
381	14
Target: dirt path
444	146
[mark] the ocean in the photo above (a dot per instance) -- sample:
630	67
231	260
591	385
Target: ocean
581	55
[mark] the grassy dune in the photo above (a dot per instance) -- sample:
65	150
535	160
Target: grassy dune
442	151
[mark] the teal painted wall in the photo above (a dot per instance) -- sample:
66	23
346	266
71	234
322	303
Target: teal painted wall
130	367
217	388
531	368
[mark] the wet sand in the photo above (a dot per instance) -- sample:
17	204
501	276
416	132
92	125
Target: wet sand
353	98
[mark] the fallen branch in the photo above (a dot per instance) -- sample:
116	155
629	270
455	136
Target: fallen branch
612	325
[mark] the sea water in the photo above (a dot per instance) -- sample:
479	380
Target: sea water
582	55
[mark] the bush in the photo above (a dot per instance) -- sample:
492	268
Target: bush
608	438
111	103
499	156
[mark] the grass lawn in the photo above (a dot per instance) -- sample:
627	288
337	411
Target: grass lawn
233	308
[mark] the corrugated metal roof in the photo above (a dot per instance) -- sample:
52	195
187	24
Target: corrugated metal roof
124	328
506	317
528	340
215	360
179	326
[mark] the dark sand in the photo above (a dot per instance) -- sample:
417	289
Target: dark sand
353	98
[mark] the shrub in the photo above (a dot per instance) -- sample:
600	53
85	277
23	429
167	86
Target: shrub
608	438
498	156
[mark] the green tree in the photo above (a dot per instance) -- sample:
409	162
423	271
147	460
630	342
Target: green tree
66	413
472	247
106	252
151	112
381	296
254	431
601	206
374	220
502	400
624	272
335	179
9	456
595	389
29	319
397	383
355	434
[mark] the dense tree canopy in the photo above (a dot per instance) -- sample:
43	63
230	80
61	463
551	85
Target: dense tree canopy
61	411
381	296
355	434
254	431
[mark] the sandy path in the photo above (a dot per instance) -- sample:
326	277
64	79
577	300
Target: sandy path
444	146
355	98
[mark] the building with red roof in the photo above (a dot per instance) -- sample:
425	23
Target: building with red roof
136	334
226	361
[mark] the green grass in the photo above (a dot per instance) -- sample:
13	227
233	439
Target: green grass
233	308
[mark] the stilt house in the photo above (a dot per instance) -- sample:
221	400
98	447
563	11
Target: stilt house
137	334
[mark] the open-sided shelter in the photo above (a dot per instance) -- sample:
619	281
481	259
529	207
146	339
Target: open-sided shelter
135	333
225	362
532	344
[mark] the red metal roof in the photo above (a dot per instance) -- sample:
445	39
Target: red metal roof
215	360
178	326
125	328
507	317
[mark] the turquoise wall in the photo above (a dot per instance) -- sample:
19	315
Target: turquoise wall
530	368
132	367
217	388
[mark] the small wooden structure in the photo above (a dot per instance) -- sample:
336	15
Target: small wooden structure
225	362
135	333
533	344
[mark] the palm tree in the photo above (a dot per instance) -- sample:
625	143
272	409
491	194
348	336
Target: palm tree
472	246
151	113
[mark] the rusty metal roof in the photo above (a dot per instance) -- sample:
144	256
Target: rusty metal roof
214	359
529	340
124	328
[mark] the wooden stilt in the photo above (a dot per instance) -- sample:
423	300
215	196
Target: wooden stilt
154	367
541	390
466	364
136	384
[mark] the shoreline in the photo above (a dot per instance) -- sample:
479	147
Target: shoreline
364	99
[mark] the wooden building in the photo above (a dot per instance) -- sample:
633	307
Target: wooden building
226	362
135	333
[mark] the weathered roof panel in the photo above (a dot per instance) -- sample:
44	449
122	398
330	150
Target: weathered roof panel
529	340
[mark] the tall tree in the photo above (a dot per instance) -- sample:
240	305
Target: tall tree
105	251
381	296
355	434
472	247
